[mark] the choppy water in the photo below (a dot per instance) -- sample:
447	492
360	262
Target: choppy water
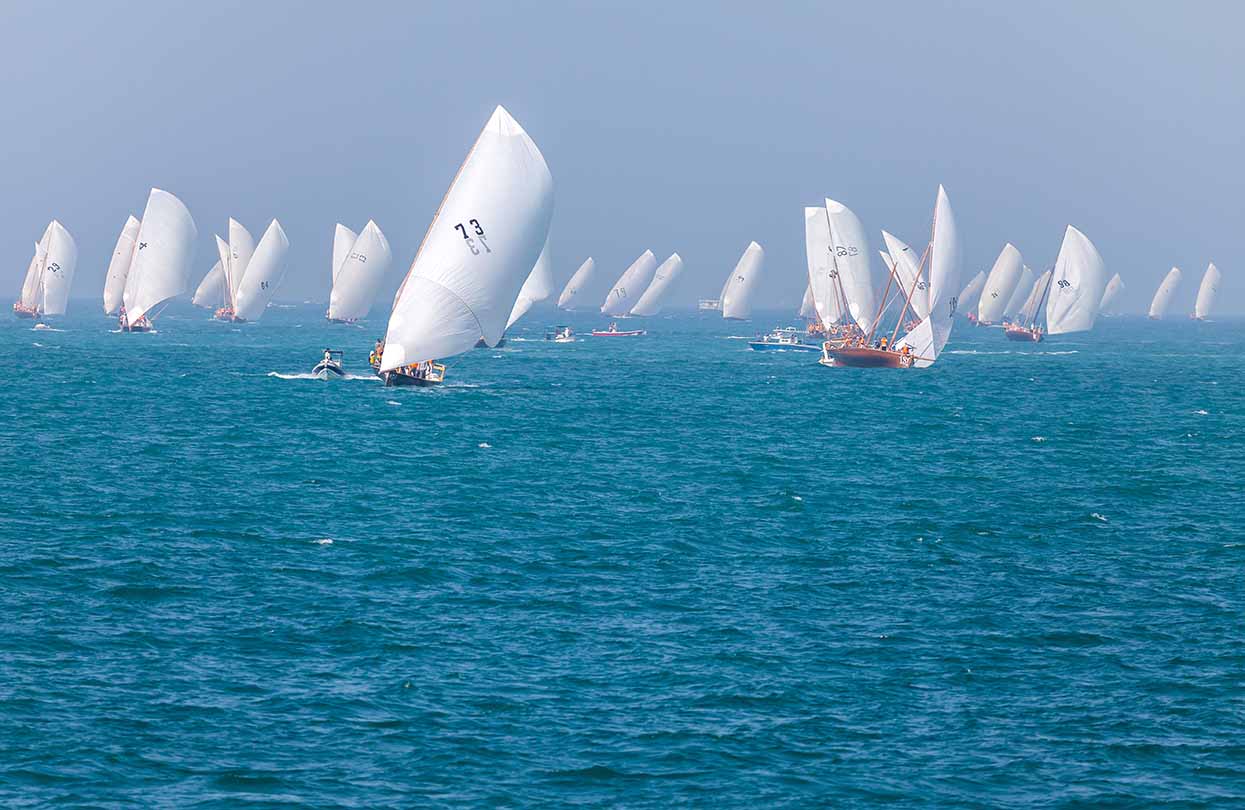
646	573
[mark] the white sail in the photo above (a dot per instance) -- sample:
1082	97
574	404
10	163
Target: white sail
929	337
241	249
262	273
538	287
343	241
651	302
1163	295
1077	284
358	278
1114	287
119	266
211	290
222	250
970	296
737	294
1017	299
822	277
33	282
905	264
162	258
849	255
572	294
1002	283
480	248
808	307
58	270
630	286
1207	293
1027	314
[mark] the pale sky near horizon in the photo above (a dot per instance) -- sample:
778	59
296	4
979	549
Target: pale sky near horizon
694	127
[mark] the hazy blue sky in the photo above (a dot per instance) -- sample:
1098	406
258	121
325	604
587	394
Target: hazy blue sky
672	126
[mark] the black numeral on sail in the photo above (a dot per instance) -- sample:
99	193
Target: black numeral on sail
479	232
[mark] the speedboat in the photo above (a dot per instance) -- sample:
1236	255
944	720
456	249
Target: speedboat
561	334
330	367
785	339
614	331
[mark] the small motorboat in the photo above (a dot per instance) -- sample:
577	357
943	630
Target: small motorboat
783	339
41	325
561	334
330	366
1023	333
422	375
614	331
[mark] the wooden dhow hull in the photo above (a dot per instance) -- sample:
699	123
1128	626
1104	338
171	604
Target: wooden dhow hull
1020	333
863	357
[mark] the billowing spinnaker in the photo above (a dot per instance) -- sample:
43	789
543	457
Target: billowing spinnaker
907	268
1163	295
343	241
1207	293
211	290
849	254
970	296
737	294
359	276
1002	283
262	274
162	257
241	249
1114	287
651	302
808	307
538	287
481	246
630	286
119	266
58	270
1077	284
931	334
572	295
822	277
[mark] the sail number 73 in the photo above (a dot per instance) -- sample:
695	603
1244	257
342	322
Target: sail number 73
473	233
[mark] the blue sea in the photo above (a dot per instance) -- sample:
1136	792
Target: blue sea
648	573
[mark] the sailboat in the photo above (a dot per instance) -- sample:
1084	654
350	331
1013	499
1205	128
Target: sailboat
970	296
235	255
45	289
1072	293
212	290
626	293
573	294
650	302
255	271
1114	287
1001	285
737	293
922	344
360	261
1024	325
481	246
904	265
1206	293
119	266
823	287
842	279
160	269
1163	295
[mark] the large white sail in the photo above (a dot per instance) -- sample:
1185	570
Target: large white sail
58	270
737	294
1002	283
906	266
538	287
1016	302
33	283
970	296
162	258
849	255
241	249
119	266
211	290
929	337
630	286
1077	284
1028	311
1207	293
1163	295
651	302
358	278
481	246
822	277
808	307
1114	287
343	241
262	273
572	294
